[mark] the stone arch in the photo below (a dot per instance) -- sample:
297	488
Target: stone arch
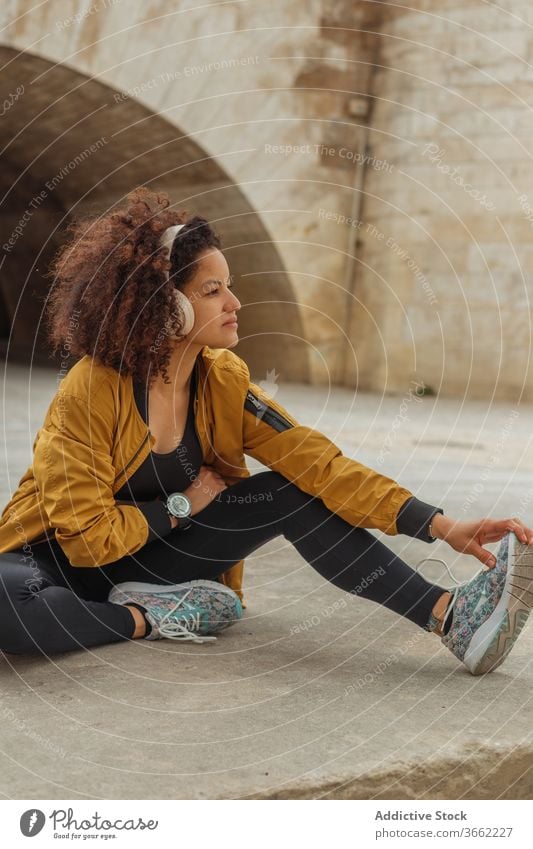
77	145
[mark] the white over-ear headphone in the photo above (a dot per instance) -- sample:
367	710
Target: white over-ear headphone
167	240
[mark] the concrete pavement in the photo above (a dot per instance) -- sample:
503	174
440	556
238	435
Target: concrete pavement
315	693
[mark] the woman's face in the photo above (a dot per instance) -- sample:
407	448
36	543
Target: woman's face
215	306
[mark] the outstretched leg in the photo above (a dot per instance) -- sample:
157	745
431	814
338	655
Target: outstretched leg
245	516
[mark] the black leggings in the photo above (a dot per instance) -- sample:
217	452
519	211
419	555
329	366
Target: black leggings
48	606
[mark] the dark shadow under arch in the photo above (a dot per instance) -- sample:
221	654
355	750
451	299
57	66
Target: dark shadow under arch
71	146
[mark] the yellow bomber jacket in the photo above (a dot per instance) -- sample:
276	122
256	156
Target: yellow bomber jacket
93	439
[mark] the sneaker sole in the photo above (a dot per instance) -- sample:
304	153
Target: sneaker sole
493	641
141	587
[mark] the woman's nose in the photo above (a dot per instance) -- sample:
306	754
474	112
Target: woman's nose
234	303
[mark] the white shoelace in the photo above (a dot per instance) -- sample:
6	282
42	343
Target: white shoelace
177	631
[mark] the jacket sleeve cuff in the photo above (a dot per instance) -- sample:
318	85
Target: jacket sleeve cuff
156	515
414	517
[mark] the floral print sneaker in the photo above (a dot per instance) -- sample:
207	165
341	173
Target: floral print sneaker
489	611
188	611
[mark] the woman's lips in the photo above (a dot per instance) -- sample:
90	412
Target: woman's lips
233	323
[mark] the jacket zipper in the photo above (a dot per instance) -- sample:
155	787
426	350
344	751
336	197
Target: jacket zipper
195	407
266	412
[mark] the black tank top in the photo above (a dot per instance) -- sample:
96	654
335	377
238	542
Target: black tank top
161	474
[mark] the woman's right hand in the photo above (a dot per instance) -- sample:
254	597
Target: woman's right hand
204	489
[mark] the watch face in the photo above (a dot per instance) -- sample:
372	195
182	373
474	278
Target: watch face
179	505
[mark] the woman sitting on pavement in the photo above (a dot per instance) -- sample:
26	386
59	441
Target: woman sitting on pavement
138	510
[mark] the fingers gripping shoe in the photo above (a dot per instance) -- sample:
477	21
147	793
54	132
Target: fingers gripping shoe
489	612
188	611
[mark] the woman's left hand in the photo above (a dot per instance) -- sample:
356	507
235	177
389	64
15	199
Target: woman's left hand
469	537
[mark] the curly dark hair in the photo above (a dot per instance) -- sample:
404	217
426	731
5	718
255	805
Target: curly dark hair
110	274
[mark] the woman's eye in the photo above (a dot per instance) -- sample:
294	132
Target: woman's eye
212	291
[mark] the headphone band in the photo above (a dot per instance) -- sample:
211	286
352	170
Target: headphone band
166	241
168	236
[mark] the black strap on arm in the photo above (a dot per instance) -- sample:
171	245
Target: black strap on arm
264	411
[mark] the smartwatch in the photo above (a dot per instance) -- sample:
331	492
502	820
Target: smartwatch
179	506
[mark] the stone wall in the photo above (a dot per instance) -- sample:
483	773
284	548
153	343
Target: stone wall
367	165
261	89
445	281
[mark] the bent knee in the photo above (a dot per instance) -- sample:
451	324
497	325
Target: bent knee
18	582
17	586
